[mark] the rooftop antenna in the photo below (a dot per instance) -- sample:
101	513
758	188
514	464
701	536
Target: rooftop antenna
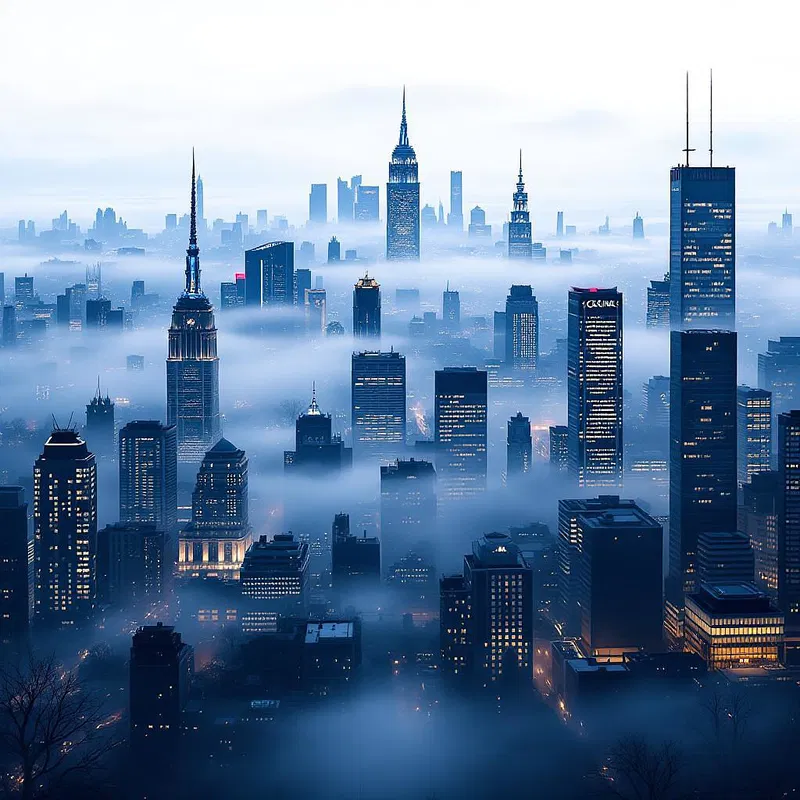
687	149
711	118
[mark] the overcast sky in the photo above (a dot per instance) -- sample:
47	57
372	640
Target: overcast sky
102	102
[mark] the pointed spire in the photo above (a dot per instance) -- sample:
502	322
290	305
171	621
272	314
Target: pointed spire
520	165
313	409
403	123
193	251
97	394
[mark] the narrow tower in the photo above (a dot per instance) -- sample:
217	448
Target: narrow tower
519	229
192	363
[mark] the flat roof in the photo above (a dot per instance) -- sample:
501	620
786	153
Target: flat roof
328	630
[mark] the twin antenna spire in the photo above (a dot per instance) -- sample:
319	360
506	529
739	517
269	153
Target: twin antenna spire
688	149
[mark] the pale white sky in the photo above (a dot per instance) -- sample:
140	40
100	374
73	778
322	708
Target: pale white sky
102	101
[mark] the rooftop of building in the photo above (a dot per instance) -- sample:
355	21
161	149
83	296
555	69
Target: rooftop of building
733	598
620	518
65	443
324	631
496	550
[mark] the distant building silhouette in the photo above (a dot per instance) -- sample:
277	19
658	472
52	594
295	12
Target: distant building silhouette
318	204
316	450
779	373
367	207
658	303
334	250
269	274
366	308
638	227
451	309
133	565
455	219
519	448
15	591
402	199
100	430
519	229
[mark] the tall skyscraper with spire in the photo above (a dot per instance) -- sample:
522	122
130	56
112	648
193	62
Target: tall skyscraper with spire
192	363
402	199
519	229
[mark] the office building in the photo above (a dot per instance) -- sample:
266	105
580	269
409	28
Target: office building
402	199
619	576
233	294
318	204
571	512
367	206
201	207
702	247
148	474
161	670
560	225
655	394
316	310
779	373
522	329
754	431
366	308
519	229
594	387
23	290
215	541
519	447
100	430
758	520
192	363
451	309
269	274
133	566
334	250
408	510
378	403
460	409
97	311
9	326
355	560
134	363
702	493
345	198
559	447
732	625
64	531
317	450
724	557
478	229
455	219
499	336
658	303
487	625
274	581
786	223
788	508
638	227
15	591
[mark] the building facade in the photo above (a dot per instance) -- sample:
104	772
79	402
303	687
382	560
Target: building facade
367	308
522	329
519	229
754	431
402	199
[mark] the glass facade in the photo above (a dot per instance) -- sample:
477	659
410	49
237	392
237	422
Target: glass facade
402	200
378	394
754	427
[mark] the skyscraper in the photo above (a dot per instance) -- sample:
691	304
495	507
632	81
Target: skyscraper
461	431
215	541
161	669
318	204
497	613
192	364
788	508
64	530
455	219
148	474
201	206
14	589
367	207
702	492
355	560
638	227
100	430
334	250
408	510
658	303
269	274
702	246
378	403
779	372
402	199
519	448
133	566
345	198
519	229
366	308
451	309
559	447
522	329
594	387
317	449
754	427
724	557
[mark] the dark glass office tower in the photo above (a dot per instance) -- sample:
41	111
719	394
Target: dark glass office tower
460	420
658	303
559	448
317	449
519	447
455	219
366	308
702	252
100	429
14	588
451	309
64	531
779	372
148	474
192	363
378	403
355	560
788	508
519	229
522	329
402	199
594	387
269	274
702	491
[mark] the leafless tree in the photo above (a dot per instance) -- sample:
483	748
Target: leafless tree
637	769
52	732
